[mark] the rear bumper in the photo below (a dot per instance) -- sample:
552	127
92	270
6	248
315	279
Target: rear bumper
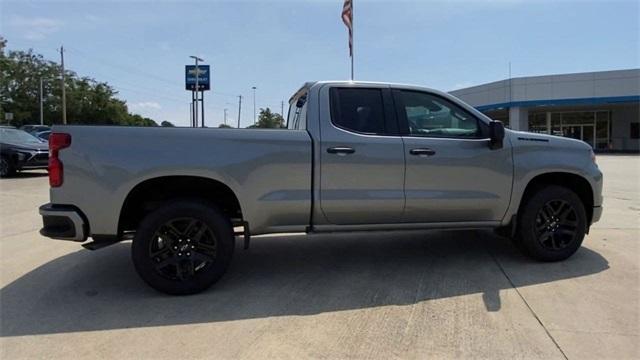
63	223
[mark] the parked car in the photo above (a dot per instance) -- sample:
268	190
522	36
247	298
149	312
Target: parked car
31	129
43	135
20	150
357	156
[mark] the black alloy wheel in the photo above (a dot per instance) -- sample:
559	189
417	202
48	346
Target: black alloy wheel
551	224
556	225
181	247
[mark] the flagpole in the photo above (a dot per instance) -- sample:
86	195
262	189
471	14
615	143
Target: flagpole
352	37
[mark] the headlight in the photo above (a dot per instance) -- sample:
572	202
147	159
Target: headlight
593	157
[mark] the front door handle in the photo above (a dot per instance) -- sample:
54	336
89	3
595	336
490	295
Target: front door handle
341	150
422	152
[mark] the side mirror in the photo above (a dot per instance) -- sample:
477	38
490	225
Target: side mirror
496	134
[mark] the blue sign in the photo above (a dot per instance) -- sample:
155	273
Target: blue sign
204	76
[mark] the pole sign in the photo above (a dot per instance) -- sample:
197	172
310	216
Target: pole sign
203	77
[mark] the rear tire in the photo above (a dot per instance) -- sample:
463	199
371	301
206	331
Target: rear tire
183	247
551	224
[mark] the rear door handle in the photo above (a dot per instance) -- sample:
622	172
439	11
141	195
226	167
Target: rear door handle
422	152
341	150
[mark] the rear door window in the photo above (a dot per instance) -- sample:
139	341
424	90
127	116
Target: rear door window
297	117
358	110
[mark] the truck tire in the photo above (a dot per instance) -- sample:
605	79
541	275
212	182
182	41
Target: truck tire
183	247
551	224
6	168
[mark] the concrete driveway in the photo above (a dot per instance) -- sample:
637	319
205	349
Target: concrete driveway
402	295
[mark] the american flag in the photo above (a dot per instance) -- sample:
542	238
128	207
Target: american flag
347	18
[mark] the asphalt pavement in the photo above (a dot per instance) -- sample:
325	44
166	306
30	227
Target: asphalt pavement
420	294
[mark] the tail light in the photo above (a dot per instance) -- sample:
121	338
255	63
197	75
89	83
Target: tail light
57	142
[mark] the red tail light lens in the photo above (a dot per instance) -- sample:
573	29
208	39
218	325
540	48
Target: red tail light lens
57	142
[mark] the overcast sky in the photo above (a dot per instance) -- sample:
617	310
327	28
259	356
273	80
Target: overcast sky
141	47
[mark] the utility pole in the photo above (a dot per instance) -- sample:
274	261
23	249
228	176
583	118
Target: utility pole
41	105
254	104
239	109
193	109
64	96
225	116
282	108
202	104
191	113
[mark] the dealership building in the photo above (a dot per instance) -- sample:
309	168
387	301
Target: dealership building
601	108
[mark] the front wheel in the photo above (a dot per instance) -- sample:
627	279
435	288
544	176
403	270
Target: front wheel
183	247
6	168
552	224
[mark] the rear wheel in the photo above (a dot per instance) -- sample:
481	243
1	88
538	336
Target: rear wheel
183	247
552	224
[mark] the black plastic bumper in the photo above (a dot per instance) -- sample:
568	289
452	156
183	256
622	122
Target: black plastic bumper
63	223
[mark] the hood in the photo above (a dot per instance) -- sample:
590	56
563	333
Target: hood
523	138
42	147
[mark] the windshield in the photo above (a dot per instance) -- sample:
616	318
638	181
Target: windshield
17	136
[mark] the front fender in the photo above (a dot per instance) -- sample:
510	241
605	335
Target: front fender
535	155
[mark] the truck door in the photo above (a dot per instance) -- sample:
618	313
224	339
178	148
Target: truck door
362	157
451	174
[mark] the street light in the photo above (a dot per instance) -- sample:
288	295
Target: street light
196	90
254	104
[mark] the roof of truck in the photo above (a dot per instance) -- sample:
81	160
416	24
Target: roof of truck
307	85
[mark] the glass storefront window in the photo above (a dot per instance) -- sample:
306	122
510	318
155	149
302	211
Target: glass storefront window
578	118
538	123
602	130
592	127
556	124
499	114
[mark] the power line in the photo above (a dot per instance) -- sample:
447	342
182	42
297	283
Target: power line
166	98
117	85
123	67
137	72
149	91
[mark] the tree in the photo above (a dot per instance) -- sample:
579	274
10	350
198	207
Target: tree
225	126
269	120
88	101
3	44
166	124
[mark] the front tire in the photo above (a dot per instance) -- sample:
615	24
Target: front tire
552	224
6	168
183	247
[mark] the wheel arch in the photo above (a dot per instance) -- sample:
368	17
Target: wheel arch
151	193
576	183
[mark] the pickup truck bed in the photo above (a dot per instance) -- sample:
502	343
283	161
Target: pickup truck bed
268	170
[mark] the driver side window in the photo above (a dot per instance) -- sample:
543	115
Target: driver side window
433	116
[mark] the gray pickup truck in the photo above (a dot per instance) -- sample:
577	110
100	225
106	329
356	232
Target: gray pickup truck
355	156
